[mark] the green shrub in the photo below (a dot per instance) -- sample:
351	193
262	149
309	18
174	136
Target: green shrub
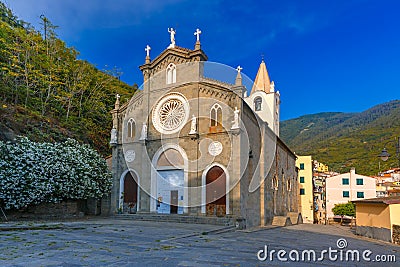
33	173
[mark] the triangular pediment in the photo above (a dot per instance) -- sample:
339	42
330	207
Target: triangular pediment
177	55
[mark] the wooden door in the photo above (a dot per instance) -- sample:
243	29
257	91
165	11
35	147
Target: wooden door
174	202
130	191
216	191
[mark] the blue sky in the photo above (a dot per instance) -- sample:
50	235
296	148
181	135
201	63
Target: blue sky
339	55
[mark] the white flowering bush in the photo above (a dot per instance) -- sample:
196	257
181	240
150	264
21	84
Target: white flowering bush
33	173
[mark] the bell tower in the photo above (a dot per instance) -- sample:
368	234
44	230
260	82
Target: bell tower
264	100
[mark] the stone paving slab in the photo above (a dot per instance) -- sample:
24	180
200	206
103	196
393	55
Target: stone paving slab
111	242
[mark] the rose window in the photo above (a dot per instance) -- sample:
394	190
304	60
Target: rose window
171	113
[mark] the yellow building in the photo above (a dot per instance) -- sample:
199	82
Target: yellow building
320	167
379	218
388	183
306	205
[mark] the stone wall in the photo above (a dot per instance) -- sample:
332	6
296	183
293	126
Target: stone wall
250	201
396	234
106	206
68	209
374	232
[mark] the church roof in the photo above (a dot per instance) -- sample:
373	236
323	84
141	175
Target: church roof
179	54
183	48
385	200
262	81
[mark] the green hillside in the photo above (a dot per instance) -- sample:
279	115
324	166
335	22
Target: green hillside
47	93
344	140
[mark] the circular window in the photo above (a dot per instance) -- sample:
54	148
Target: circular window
170	113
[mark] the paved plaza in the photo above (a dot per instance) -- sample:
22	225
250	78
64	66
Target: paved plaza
115	242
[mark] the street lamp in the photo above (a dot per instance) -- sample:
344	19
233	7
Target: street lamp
385	155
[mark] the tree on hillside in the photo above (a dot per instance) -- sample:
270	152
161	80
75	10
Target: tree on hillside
7	16
41	79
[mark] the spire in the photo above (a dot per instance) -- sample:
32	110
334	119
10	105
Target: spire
238	80
262	82
116	105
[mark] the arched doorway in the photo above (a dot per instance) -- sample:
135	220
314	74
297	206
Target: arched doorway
216	191
170	182
130	193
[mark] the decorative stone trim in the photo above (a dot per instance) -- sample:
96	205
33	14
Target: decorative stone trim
215	93
170	113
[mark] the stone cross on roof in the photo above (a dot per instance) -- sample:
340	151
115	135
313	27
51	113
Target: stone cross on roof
197	33
239	69
147	49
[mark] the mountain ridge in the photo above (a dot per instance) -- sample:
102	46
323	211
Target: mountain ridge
344	140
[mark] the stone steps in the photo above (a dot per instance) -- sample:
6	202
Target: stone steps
295	217
281	221
223	221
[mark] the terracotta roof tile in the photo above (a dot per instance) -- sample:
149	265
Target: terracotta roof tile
386	200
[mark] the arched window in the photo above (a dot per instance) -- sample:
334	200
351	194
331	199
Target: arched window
289	185
131	128
257	103
171	73
216	115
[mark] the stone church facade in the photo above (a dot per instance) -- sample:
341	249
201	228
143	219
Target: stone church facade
188	144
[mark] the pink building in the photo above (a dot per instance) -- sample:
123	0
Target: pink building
347	187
